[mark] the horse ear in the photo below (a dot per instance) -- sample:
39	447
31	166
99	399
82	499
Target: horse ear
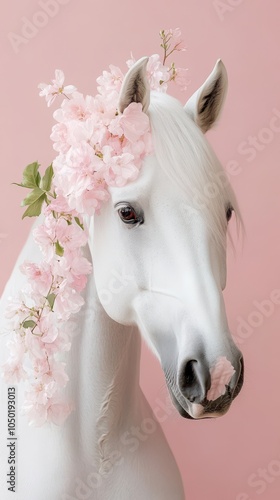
135	87
206	103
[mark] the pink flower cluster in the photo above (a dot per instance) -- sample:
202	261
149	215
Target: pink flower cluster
97	147
39	315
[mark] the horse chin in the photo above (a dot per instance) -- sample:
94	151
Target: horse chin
178	406
201	411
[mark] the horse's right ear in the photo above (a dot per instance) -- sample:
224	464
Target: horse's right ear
135	87
205	105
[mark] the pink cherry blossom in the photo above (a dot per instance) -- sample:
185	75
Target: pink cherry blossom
134	122
54	410
37	413
158	74
80	132
58	411
60	205
41	404
44	236
13	371
130	61
78	269
180	78
50	92
81	158
59	136
16	311
110	81
77	108
221	375
70	236
40	276
91	202
70	302
121	169
34	346
50	370
176	36
46	329
40	393
57	373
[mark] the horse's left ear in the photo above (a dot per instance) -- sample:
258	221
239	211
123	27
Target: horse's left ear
206	103
135	87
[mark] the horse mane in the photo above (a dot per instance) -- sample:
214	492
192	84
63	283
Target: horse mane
187	158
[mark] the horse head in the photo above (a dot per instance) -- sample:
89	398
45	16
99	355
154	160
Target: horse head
160	245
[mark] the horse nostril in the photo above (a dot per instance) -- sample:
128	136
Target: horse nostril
190	372
194	380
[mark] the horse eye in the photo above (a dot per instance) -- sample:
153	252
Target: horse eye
129	216
229	213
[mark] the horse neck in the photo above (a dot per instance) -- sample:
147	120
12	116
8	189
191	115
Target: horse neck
105	367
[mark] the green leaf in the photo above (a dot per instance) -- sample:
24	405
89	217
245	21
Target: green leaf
31	177
29	323
34	210
33	196
35	201
46	181
38	179
51	298
59	250
79	222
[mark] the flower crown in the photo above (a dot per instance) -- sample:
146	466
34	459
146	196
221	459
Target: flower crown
98	146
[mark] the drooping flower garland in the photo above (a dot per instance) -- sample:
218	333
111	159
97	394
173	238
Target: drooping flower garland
97	148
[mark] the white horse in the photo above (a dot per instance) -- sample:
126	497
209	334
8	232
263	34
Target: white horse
158	249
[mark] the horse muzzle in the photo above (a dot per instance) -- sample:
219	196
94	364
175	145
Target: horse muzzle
189	394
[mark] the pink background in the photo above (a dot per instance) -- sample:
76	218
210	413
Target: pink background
217	458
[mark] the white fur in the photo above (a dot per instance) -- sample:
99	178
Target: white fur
170	276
